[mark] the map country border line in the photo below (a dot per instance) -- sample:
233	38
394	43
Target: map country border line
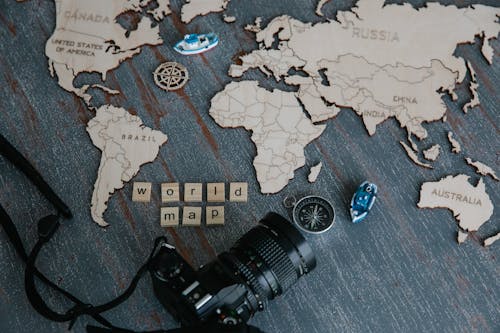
82	90
391	109
379	69
80	33
107	41
109	124
269	131
393	113
393	66
270	72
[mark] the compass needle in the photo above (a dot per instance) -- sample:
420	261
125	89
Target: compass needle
313	214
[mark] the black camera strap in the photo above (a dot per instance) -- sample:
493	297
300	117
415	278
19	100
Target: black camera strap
47	227
31	272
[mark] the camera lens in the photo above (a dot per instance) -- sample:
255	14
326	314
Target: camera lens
270	258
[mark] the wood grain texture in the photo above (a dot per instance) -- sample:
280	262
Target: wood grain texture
400	271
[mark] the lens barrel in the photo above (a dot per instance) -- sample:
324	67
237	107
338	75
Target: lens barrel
271	257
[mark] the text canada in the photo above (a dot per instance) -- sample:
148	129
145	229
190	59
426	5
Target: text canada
83	16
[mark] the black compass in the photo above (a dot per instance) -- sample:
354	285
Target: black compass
313	214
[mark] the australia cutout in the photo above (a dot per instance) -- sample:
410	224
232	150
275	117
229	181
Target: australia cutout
88	38
371	60
126	144
471	205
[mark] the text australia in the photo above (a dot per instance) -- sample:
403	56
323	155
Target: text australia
457	197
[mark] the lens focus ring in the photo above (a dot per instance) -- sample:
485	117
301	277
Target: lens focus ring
250	278
269	259
276	259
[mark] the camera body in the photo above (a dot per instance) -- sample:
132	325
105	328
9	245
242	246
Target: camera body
262	264
211	294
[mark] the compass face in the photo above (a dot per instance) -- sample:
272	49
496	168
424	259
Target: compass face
313	214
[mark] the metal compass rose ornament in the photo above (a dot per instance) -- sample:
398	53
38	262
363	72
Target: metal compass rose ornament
312	213
170	76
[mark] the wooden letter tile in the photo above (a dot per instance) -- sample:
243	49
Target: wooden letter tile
169	216
191	216
193	192
170	192
215	215
216	192
238	192
141	192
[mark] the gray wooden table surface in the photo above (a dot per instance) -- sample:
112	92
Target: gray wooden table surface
400	271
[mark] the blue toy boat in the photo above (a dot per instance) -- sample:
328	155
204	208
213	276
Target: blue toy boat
196	43
362	201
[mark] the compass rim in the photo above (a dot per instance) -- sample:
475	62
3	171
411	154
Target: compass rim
332	221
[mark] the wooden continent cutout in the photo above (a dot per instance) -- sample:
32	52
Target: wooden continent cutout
471	205
126	144
88	38
193	8
280	129
378	65
398	79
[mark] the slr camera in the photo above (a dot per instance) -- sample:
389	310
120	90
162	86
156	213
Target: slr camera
228	291
220	297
